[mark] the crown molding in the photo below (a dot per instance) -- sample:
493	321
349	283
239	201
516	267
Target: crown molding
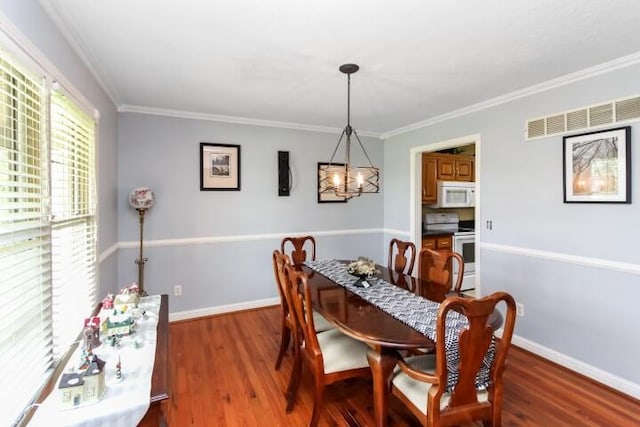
54	12
567	79
140	109
31	53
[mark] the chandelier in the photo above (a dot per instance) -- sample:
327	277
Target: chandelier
344	179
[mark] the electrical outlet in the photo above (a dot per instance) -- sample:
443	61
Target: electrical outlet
520	309
177	290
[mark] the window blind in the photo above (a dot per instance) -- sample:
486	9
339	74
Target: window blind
73	206
47	231
25	244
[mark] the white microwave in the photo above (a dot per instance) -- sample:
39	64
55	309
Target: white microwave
456	194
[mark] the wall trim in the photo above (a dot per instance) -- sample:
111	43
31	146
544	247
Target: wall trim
596	374
126	108
623	267
567	79
221	309
397	232
108	252
249	237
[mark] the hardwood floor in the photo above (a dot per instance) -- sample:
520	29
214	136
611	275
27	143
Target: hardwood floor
223	375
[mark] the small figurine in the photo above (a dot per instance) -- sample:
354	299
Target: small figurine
119	370
114	341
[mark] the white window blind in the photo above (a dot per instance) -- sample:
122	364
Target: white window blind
47	232
73	219
25	247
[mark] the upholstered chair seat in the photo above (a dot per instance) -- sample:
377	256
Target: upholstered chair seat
417	391
321	324
341	352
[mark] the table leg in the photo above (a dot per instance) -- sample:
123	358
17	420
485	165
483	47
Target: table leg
381	361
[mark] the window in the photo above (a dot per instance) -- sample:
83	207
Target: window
47	231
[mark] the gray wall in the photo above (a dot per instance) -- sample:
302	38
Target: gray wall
218	244
573	266
35	25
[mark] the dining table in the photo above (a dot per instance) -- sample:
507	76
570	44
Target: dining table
384	334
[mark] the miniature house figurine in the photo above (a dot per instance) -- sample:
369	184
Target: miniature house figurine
118	323
107	302
128	296
84	386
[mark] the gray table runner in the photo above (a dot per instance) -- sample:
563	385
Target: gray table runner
417	312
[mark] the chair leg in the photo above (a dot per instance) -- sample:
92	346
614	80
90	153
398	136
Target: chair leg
285	338
317	403
294	381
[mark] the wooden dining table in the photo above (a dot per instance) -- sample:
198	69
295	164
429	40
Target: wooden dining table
383	333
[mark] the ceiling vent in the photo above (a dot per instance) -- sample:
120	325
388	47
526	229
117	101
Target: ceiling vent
595	116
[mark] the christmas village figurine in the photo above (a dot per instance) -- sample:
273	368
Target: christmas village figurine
128	296
107	302
84	386
91	332
119	370
119	322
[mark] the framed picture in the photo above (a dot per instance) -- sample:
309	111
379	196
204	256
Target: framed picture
324	182
597	167
219	167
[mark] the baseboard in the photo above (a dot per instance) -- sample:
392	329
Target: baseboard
596	374
221	309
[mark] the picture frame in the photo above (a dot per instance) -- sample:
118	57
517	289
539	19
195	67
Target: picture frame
324	172
219	167
597	166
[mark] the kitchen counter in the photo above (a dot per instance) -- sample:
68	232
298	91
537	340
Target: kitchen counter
426	233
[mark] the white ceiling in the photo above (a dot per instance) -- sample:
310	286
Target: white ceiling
278	60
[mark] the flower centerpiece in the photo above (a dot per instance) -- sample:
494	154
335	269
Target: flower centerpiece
362	267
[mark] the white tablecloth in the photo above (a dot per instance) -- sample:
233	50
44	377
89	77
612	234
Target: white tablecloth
124	402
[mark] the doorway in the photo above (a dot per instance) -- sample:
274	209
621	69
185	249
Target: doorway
416	207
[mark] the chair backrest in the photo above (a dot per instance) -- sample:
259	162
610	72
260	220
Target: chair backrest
401	262
435	267
299	254
297	283
279	262
473	344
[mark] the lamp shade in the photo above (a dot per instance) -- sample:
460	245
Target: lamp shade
141	198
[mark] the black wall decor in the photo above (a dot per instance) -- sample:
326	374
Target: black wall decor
284	174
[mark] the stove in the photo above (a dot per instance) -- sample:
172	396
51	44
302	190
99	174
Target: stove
447	222
463	241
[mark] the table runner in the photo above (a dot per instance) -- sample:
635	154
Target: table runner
419	313
124	403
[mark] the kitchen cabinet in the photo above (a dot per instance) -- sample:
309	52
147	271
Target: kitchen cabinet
429	179
444	167
455	168
437	243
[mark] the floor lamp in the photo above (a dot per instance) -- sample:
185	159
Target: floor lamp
141	199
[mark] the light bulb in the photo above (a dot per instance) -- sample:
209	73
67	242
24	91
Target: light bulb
360	180
336	180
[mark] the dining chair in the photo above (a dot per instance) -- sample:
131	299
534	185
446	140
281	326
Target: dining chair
331	355
287	327
298	253
436	267
401	263
420	382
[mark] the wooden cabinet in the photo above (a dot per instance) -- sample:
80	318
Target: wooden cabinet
429	178
455	168
445	167
437	243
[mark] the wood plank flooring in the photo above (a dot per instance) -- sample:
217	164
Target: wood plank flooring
222	368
